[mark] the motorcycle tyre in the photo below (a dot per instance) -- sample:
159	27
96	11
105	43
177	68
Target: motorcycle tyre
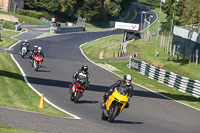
112	116
103	117
36	67
72	97
76	98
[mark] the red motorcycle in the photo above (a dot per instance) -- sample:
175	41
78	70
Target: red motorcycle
78	88
38	59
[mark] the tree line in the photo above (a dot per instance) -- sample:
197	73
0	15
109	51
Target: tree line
89	9
182	12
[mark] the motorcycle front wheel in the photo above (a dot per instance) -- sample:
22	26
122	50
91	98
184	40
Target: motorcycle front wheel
113	112
103	116
36	65
72	97
77	96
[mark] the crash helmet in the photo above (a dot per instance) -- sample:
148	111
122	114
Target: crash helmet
127	79
35	47
26	43
84	68
39	49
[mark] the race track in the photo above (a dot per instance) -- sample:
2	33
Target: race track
148	112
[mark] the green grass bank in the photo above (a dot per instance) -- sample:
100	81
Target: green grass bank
8	129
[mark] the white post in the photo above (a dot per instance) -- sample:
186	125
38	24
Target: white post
156	53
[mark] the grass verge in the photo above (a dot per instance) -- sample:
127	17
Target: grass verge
6	40
14	91
7	129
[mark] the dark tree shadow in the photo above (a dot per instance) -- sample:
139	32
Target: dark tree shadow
181	97
43	70
87	101
11	75
97	88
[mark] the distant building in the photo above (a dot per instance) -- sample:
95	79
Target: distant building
11	5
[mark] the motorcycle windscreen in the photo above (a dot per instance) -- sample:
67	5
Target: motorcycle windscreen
81	80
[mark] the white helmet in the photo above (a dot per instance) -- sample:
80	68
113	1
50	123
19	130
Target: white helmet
39	49
127	79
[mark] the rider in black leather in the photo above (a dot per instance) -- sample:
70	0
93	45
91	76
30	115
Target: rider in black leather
125	83
83	72
26	44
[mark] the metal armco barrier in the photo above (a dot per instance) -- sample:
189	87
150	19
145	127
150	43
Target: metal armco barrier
69	29
173	80
18	27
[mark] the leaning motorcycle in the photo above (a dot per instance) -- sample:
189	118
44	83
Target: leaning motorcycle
115	104
78	88
37	63
23	51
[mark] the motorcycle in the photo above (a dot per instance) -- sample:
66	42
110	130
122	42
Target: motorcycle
78	88
115	104
37	62
24	52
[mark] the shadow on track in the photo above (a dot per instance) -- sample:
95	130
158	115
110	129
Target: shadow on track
126	122
97	88
86	101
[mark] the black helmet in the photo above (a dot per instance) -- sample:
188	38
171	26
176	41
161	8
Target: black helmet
127	79
84	68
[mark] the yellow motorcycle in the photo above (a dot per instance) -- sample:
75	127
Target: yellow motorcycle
115	104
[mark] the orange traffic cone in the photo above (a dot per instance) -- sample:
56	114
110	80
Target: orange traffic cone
41	104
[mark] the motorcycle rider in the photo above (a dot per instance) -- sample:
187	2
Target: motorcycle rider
26	44
125	83
39	52
33	51
83	72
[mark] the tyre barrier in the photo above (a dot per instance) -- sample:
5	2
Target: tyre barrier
182	84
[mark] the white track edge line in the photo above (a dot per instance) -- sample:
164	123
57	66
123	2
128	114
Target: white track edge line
133	83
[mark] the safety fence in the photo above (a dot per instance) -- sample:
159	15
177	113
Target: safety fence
186	44
173	80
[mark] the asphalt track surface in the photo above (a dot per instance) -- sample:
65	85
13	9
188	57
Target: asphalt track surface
148	112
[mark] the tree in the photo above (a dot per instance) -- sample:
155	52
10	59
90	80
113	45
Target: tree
191	12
